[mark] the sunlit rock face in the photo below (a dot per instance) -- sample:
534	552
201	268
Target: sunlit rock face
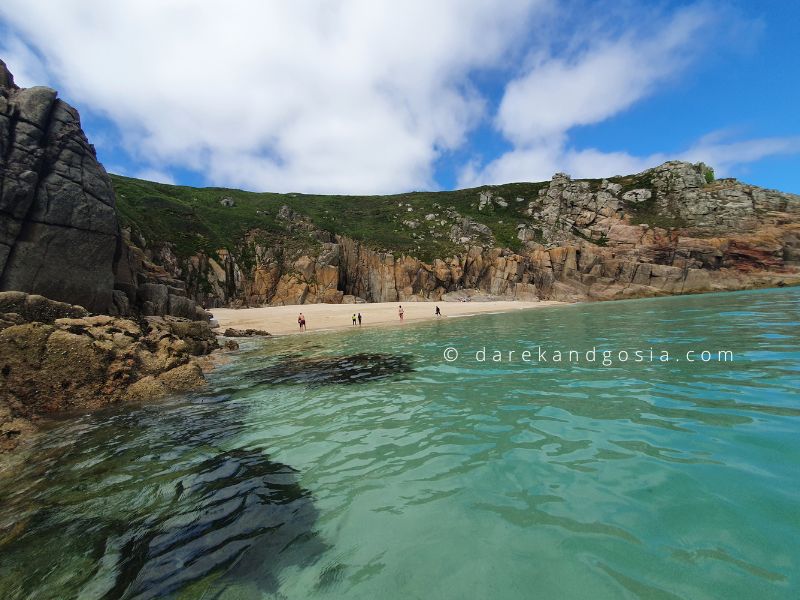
668	230
672	229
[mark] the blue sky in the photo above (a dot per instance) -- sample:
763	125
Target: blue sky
373	96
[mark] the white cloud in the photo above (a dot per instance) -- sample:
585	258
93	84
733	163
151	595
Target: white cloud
23	63
356	96
605	77
158	175
363	96
557	94
725	154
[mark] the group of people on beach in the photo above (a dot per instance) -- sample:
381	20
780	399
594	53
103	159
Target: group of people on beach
357	318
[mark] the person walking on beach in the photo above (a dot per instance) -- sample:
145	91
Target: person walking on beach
301	320
438	312
359	319
400	312
354	319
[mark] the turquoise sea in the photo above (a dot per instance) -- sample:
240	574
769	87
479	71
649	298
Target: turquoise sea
362	464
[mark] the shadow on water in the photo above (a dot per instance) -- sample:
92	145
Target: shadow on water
147	505
316	371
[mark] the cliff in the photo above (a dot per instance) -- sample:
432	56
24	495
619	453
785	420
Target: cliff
669	230
59	232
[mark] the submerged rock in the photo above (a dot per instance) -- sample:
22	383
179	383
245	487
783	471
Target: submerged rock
235	513
355	368
159	511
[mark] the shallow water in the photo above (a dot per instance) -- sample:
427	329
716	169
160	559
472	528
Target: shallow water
362	464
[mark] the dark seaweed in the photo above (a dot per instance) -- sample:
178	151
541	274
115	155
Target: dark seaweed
355	368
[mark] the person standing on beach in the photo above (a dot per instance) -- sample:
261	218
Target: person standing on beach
400	312
301	320
354	319
359	319
438	312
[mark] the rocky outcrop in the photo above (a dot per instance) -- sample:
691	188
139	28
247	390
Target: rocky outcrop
231	332
59	230
145	288
55	358
59	233
37	308
675	195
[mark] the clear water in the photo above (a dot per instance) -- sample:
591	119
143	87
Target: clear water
362	465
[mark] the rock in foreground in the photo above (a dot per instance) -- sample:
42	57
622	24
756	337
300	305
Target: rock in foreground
51	363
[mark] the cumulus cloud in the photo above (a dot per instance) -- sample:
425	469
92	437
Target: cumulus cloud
361	96
725	153
355	96
602	78
559	93
26	66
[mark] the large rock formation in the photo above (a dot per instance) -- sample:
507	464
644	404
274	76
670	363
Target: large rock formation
669	230
59	234
59	230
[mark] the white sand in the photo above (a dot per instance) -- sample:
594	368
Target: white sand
282	320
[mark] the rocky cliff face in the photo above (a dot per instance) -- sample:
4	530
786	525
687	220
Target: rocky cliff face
59	234
59	229
669	230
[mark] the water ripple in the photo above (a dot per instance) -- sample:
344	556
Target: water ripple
413	477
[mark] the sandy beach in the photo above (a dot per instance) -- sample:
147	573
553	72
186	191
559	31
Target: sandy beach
282	320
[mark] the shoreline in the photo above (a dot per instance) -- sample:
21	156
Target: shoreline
282	320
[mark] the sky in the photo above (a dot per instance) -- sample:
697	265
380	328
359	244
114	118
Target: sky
379	96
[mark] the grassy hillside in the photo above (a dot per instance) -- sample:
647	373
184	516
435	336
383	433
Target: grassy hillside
416	223
194	219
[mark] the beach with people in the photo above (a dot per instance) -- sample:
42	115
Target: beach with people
283	320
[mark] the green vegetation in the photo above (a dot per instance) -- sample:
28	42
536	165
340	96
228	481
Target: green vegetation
416	223
194	219
709	174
